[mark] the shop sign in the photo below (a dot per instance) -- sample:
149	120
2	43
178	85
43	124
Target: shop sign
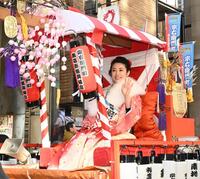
109	14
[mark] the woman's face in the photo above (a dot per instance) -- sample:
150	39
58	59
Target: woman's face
118	72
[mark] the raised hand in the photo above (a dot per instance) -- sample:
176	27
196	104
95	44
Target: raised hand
126	90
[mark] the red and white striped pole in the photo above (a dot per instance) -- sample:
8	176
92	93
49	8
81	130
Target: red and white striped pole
102	113
44	116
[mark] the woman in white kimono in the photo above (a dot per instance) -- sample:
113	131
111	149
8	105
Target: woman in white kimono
124	110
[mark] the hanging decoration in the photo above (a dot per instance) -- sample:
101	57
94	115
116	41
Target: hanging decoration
179	100
28	82
10	26
187	56
174	72
21	6
42	47
161	88
173	29
164	63
162	114
35	52
83	70
11	65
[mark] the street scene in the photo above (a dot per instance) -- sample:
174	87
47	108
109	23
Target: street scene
99	89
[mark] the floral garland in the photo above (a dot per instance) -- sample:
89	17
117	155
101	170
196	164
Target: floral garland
42	49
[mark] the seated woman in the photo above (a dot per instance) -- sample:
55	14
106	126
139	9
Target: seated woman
123	96
123	108
70	131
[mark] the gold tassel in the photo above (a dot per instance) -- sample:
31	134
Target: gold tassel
165	63
58	97
24	27
190	96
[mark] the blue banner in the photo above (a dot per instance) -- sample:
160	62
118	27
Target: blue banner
187	53
173	29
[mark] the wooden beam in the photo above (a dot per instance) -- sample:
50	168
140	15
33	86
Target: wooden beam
31	20
117	40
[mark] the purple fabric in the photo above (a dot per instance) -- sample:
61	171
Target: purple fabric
11	72
162	120
161	91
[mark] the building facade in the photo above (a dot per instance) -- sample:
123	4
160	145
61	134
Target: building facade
192	33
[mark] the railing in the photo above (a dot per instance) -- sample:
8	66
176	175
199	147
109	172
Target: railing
160	147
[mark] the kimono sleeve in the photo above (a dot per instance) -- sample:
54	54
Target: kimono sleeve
127	120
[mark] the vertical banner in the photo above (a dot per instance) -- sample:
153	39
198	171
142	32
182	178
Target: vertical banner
181	169
192	169
169	167
173	29
145	171
157	171
187	55
128	171
109	14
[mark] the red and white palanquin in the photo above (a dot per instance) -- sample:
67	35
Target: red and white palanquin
114	40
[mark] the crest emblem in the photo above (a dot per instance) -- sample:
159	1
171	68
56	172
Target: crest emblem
10	26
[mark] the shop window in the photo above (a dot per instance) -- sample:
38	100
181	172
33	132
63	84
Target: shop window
168	7
91	7
108	2
178	4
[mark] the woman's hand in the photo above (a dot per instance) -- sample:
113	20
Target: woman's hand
89	122
126	91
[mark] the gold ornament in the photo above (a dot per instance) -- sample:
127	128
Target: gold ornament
179	100
190	95
21	6
10	26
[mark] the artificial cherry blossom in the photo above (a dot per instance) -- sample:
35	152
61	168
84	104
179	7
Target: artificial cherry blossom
63	67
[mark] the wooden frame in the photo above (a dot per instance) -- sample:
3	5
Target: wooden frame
33	21
29	18
165	148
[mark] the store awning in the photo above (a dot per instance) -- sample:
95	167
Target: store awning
104	32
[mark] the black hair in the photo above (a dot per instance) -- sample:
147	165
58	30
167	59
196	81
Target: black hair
122	60
69	125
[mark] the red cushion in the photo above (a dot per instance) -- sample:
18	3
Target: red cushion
146	126
102	156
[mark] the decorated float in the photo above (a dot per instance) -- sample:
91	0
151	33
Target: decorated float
37	45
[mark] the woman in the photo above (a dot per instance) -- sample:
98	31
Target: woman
124	110
123	94
70	131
